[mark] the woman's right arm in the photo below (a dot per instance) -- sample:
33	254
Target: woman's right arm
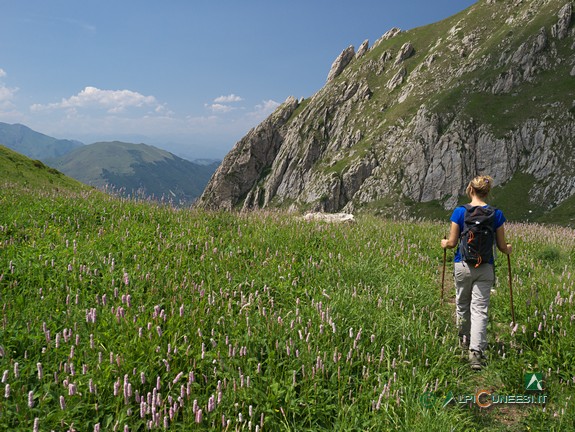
451	242
502	245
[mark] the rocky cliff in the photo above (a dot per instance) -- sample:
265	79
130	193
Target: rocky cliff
412	118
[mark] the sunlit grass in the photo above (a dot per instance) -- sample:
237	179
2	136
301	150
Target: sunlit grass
128	316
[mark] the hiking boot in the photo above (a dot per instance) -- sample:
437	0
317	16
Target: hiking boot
464	343
475	360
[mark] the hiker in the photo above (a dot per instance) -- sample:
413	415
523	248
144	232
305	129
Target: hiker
474	264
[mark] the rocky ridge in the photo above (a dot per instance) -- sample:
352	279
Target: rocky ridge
412	118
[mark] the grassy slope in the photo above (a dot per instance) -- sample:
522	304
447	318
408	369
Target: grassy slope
19	170
338	327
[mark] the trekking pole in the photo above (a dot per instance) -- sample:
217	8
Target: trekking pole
443	272
510	289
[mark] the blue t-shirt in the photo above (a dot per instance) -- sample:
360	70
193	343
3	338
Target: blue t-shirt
458	216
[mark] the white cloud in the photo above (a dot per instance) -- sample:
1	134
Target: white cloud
220	104
114	101
227	99
7	94
163	110
95	114
220	108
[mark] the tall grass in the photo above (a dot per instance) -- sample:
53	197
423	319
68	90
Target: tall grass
127	316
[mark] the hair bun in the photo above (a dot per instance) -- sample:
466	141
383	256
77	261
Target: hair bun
481	185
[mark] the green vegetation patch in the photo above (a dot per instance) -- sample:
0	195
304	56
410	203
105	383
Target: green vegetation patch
504	112
513	198
431	210
226	320
357	153
563	214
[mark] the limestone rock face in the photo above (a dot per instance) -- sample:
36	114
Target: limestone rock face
397	79
363	48
243	166
341	62
405	52
530	58
561	29
414	122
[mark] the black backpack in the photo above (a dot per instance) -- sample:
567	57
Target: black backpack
478	236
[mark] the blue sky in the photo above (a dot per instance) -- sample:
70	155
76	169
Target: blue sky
189	76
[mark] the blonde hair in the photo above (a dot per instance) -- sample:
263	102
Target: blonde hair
481	185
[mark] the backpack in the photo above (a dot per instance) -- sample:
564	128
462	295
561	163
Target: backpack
478	236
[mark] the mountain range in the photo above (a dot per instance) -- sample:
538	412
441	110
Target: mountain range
33	144
401	126
137	170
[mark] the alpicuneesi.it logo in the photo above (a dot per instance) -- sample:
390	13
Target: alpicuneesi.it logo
484	398
533	381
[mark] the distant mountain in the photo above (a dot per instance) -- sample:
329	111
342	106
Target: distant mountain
136	170
33	144
206	161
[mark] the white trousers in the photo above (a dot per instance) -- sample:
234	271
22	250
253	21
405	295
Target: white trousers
473	289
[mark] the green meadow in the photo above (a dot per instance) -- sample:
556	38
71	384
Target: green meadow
119	315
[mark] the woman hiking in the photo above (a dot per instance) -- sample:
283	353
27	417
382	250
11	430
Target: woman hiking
476	227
